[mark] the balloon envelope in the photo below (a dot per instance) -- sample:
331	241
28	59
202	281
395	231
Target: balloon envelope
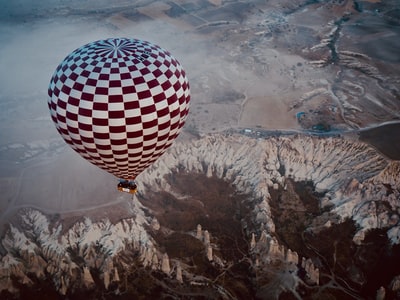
119	103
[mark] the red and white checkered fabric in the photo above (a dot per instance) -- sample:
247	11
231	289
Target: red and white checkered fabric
119	103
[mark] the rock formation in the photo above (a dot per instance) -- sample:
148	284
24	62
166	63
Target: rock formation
199	232
209	253
106	279
395	284
381	293
356	180
155	262
206	237
267	250
179	272
253	241
155	224
87	278
350	173
63	287
312	271
165	266
42	249
292	257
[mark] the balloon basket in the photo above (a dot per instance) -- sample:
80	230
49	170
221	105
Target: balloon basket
127	186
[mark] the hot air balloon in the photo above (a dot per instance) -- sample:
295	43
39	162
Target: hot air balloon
119	103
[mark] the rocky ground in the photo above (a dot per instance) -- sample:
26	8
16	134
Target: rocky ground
228	216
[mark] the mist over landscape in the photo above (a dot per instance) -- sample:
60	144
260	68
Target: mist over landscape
283	184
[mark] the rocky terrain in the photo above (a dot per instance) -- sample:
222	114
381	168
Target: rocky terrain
228	216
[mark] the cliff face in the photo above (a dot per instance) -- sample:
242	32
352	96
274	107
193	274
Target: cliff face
47	250
352	180
354	177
